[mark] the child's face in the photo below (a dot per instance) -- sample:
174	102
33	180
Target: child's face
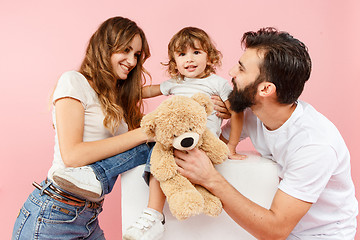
191	63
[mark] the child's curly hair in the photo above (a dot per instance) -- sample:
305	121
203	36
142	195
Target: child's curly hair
187	37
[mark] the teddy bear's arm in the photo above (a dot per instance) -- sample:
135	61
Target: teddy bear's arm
216	149
163	166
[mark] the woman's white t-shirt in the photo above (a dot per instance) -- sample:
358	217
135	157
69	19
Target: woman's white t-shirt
74	85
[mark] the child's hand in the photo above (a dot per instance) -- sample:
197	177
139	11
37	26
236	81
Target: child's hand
237	156
233	155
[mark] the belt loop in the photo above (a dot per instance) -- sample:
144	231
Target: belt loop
89	204
45	187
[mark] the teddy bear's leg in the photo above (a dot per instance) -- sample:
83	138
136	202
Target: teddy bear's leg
212	204
184	200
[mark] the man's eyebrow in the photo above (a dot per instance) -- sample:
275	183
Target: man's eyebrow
241	65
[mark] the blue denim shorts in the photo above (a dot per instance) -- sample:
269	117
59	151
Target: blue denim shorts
42	217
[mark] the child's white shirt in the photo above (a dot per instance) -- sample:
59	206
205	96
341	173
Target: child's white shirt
212	85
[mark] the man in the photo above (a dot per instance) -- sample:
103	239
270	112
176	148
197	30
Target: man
316	197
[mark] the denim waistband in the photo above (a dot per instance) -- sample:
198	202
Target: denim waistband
59	195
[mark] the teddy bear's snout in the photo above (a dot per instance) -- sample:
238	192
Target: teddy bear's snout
186	141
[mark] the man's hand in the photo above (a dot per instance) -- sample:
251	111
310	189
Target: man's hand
195	165
220	108
274	223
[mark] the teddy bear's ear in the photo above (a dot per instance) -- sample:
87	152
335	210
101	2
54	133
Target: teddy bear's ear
204	101
148	124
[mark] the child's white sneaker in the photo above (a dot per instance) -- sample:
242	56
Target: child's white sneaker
81	181
149	226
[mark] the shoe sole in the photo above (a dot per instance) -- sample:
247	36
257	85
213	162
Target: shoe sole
158	237
72	188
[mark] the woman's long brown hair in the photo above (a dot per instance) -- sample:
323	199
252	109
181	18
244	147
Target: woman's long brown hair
119	99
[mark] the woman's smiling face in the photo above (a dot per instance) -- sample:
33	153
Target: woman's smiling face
123	62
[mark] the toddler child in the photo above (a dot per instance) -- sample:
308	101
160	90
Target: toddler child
193	59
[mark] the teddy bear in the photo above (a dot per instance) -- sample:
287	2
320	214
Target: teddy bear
179	122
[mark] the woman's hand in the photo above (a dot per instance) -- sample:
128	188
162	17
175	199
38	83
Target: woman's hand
151	139
220	107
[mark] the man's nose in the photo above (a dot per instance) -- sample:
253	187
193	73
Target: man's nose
232	71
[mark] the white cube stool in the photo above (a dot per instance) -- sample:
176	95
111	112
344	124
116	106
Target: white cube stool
256	178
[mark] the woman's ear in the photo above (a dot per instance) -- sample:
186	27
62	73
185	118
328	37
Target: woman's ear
266	89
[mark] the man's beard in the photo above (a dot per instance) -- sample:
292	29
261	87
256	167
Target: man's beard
242	99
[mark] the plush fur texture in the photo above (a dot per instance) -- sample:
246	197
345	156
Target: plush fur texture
180	122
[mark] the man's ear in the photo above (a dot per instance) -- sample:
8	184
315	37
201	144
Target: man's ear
266	89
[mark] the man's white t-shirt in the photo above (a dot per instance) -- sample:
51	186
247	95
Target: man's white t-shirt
212	85
74	85
314	166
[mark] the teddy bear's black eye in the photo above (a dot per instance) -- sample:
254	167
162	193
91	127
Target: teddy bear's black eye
190	129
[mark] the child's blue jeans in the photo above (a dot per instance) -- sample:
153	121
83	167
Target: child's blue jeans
108	170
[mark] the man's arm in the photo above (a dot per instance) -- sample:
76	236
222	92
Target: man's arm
274	223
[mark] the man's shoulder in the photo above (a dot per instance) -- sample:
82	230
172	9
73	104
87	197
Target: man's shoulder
313	126
308	114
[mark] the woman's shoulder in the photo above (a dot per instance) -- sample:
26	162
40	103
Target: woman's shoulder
73	78
73	84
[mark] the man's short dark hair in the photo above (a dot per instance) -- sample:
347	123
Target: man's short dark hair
286	64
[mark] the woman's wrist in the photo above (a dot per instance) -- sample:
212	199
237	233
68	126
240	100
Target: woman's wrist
142	136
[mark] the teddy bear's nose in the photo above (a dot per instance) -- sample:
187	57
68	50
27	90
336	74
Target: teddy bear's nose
187	142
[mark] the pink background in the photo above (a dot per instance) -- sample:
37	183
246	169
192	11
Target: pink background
40	39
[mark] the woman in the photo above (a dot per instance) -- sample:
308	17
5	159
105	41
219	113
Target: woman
96	114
